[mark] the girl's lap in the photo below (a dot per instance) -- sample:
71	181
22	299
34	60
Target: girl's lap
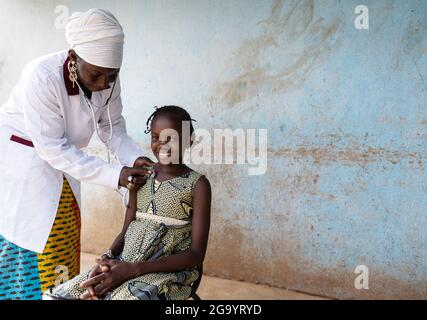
152	286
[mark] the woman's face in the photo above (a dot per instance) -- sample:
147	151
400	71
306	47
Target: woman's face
94	78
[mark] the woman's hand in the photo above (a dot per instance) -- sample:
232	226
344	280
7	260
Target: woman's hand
138	177
143	162
104	282
134	178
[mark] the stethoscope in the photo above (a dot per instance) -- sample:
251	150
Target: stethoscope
92	106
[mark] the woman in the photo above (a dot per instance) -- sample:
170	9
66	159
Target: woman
58	104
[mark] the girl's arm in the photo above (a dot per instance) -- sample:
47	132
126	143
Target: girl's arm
118	243
195	255
116	247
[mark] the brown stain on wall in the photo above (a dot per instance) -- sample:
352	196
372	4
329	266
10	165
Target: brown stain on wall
357	155
286	30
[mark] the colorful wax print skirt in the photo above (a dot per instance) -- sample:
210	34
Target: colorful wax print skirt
25	275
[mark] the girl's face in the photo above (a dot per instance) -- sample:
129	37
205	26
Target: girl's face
93	77
166	141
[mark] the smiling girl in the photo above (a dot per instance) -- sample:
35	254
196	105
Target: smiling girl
165	234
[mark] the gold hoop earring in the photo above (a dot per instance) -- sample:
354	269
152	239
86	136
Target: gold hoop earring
73	72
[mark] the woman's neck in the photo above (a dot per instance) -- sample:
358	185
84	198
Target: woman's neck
86	91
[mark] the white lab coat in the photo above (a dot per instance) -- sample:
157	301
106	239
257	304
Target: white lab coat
41	110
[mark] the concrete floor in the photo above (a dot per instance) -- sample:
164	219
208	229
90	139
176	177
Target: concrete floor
212	288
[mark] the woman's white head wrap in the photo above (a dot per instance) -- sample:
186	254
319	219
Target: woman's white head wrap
97	37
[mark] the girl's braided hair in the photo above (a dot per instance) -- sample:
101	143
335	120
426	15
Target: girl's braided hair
173	111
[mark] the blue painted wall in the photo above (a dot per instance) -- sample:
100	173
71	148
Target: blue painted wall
346	113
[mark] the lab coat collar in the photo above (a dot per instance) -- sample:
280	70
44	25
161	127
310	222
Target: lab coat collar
68	83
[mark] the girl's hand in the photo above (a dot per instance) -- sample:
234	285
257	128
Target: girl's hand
96	270
119	272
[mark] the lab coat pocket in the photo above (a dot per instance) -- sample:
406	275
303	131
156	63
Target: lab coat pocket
18	159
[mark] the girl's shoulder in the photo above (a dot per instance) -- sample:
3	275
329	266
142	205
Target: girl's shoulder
193	176
200	180
186	181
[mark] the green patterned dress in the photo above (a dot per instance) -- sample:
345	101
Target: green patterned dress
162	227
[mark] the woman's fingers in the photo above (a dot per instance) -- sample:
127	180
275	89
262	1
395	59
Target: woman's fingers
139	180
128	176
143	162
140	172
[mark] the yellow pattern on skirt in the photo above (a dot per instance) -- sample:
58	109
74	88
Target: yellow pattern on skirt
60	259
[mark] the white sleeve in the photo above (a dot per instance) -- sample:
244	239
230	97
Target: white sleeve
45	126
121	144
